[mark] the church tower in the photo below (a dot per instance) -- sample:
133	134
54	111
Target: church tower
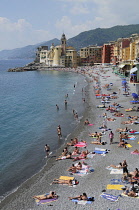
63	44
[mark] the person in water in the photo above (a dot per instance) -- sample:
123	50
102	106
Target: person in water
57	107
47	150
59	132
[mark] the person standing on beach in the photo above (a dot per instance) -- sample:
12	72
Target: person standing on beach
124	166
111	136
47	149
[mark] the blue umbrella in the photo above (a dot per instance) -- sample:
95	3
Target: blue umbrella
135	95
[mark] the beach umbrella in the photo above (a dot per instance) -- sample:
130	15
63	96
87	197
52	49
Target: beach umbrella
124	82
135	95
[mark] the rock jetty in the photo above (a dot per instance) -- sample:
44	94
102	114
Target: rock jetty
29	67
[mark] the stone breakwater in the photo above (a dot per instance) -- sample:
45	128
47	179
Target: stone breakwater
36	66
29	67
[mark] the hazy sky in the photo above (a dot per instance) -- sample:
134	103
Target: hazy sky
25	22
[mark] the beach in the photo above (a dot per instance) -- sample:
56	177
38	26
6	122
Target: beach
95	182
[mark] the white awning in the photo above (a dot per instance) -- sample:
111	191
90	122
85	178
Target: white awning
121	66
133	70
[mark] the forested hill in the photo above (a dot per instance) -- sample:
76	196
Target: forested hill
97	36
100	36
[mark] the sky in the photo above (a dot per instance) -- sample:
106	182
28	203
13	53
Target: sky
28	22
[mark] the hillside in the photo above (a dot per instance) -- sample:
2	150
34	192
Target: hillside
97	36
100	36
25	52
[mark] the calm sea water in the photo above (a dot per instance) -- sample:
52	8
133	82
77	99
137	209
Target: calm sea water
29	118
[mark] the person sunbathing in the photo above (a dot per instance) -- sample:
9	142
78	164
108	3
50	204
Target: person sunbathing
95	134
49	196
71	143
132	194
110	119
105	115
111	109
86	122
79	166
127	122
122	129
76	151
135	174
80	197
118	166
75	140
122	144
132	117
72	169
118	114
114	97
136	151
125	136
68	182
68	156
83	155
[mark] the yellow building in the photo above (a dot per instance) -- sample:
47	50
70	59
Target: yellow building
93	53
59	56
126	54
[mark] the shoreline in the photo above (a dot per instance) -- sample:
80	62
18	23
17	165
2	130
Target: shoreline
50	159
93	183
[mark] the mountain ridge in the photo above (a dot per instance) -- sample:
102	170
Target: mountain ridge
97	36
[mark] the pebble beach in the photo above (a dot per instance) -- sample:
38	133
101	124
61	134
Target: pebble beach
93	183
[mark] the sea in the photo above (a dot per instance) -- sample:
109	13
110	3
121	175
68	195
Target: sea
29	118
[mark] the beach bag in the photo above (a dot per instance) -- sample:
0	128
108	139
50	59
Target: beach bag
91	199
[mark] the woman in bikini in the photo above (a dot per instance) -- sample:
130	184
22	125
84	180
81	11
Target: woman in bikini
43	197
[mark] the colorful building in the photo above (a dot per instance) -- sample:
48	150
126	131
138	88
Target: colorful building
58	56
91	55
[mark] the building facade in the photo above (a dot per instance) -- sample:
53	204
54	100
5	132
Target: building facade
91	55
58	56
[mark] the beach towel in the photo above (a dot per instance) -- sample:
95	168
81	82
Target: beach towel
128	145
66	178
90	155
109	197
128	110
80	144
100	152
109	168
82	202
38	202
83	172
116	171
100	106
134	102
135	153
114	187
131	138
91	124
129	196
116	181
100	149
